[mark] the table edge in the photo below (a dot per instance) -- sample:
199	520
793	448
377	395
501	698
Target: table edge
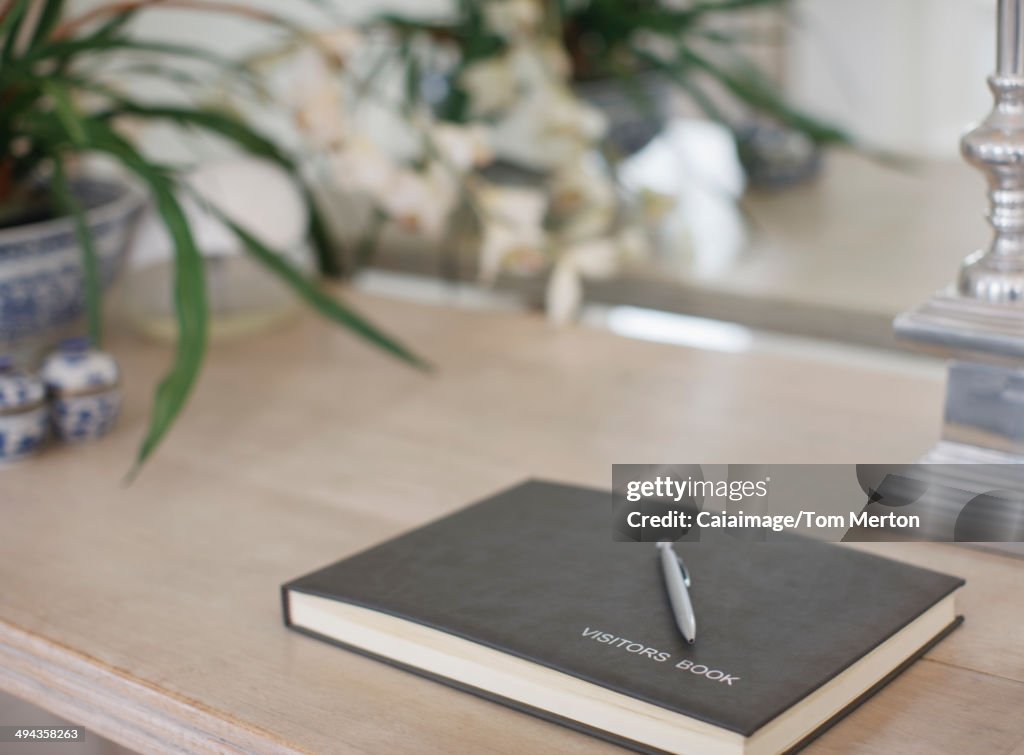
117	706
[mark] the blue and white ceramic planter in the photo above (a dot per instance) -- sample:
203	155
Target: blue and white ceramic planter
24	417
84	388
81	418
41	280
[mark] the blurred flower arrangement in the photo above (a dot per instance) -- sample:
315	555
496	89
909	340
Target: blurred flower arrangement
430	166
411	115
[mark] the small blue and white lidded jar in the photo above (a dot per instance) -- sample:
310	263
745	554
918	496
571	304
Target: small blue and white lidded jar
84	387
24	416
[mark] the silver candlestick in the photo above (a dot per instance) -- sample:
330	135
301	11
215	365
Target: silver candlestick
996	147
979	321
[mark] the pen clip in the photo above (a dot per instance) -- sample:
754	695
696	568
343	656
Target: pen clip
679	560
684	570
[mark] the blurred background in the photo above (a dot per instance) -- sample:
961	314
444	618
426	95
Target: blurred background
826	237
833	247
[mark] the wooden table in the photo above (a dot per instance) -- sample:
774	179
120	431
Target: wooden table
150	613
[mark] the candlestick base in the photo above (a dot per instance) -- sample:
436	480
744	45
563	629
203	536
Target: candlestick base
966	328
985	392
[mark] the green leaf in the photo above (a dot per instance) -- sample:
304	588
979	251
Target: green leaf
192	314
191	311
410	25
10	28
65	199
748	85
327	257
67	49
115	24
190	301
725	6
327	305
413	80
179	76
237	131
66	112
224	124
86	83
48	19
678	75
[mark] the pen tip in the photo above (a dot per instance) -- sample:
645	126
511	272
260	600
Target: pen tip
692	641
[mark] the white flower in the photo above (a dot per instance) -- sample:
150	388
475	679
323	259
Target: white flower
513	18
319	106
554	57
564	293
340	44
594	258
444	183
696	165
463	147
322	121
590	222
513	233
569	116
417	204
583	197
548	127
420	201
361	166
689	156
634	243
580	181
491	85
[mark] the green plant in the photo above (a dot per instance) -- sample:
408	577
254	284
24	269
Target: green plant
57	106
685	42
621	39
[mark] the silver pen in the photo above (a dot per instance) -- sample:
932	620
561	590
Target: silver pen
677	579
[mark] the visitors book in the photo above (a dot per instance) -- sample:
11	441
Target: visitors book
525	599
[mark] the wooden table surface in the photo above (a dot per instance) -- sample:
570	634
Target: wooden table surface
151	614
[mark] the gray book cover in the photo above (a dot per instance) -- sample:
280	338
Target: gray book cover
534	572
